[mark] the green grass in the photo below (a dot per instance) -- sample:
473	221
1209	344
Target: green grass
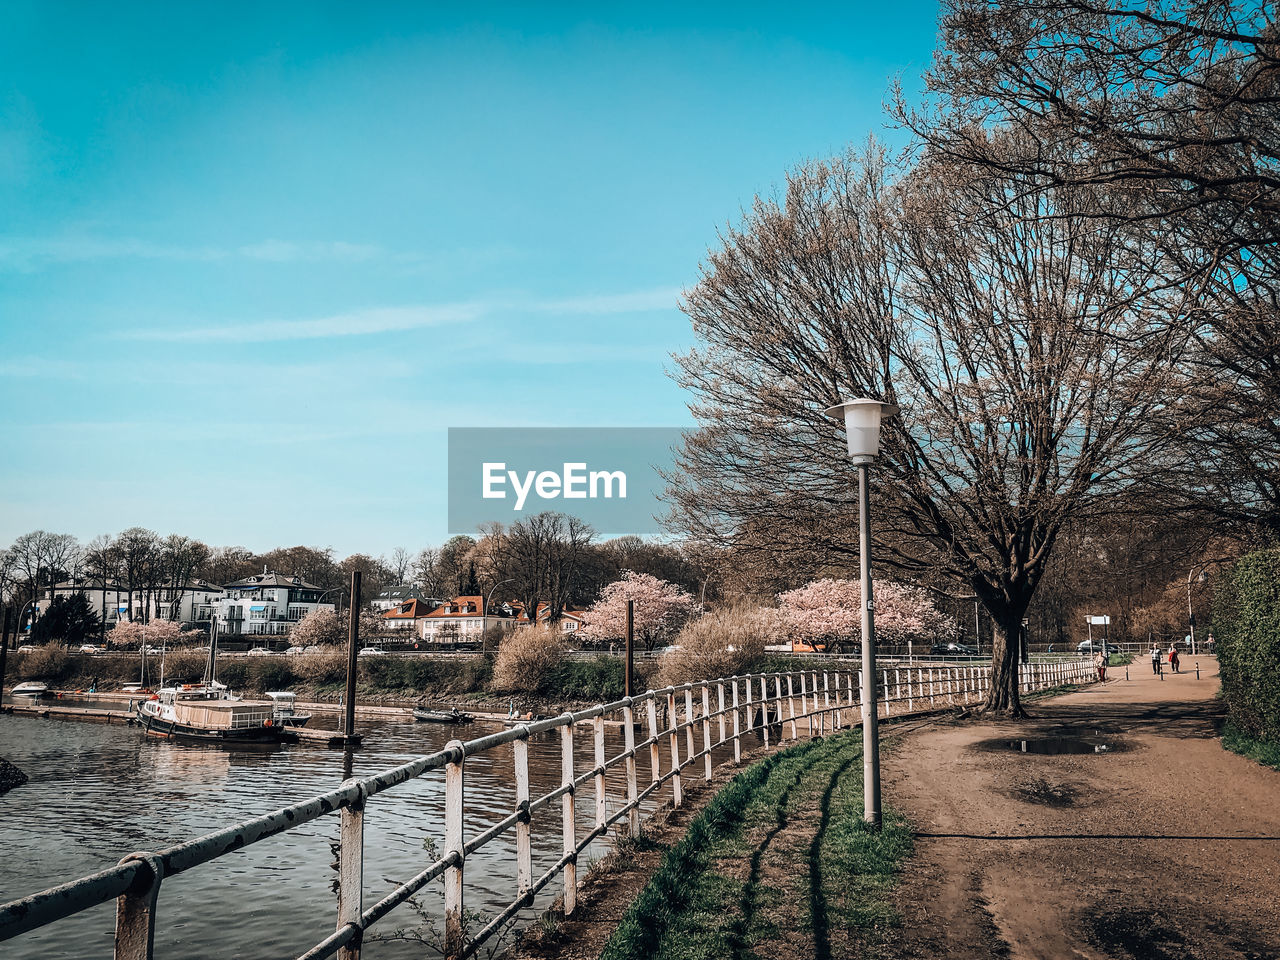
717	893
1266	752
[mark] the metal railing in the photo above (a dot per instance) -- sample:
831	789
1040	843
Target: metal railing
706	715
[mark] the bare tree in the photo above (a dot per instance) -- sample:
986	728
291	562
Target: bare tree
1013	330
1175	106
102	567
139	552
542	556
400	563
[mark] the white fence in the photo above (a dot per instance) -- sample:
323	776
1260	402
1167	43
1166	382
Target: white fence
682	725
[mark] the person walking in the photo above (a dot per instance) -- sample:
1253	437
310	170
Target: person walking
1100	661
1173	655
1155	658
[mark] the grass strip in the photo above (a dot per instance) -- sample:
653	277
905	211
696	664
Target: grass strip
1265	752
710	896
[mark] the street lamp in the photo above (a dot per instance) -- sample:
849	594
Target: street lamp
484	614
1191	616
862	429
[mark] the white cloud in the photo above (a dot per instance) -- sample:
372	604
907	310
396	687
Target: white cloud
356	323
376	320
34	253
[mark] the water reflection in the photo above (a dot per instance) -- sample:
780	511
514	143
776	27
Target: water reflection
99	792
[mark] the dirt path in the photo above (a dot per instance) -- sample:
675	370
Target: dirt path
1167	846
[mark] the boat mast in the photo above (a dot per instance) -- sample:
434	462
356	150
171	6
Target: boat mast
211	665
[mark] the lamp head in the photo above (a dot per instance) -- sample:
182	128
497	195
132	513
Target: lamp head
862	426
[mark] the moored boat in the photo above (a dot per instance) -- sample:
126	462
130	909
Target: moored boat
170	716
31	689
423	715
285	709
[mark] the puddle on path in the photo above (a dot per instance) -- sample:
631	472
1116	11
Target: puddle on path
1054	746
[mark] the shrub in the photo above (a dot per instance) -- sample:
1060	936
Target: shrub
526	657
51	664
721	643
322	669
271	673
598	680
1247	633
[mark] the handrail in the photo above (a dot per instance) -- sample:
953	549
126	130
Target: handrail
763	703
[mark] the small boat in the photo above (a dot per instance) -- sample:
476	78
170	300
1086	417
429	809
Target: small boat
32	689
423	715
171	716
286	712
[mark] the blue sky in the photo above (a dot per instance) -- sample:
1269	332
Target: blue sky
254	262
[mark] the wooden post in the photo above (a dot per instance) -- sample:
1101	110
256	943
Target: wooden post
655	749
136	911
629	766
688	716
598	730
737	727
826	702
720	709
791	706
706	731
884	679
454	932
524	848
777	695
568	823
804	701
629	670
751	723
677	795
764	710
353	646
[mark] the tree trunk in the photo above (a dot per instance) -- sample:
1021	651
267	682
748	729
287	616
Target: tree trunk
1003	697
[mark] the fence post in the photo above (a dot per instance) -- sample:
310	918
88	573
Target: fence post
764	710
814	690
884	675
737	728
791	706
136	909
826	702
454	933
804	701
688	716
655	748
750	699
720	714
351	873
629	765
933	690
524	849
911	703
568	823
677	795
601	814
706	731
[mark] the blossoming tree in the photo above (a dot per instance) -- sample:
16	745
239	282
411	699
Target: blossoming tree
661	609
825	614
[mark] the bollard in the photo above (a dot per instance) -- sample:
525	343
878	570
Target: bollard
1197	669
1126	674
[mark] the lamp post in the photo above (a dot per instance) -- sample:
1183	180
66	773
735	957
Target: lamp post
484	614
862	429
1191	617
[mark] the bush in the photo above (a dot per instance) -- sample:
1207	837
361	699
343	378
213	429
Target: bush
527	657
1247	632
721	643
51	664
599	679
132	634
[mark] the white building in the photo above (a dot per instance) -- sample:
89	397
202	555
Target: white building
194	600
267	603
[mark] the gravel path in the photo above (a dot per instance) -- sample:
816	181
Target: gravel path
1164	846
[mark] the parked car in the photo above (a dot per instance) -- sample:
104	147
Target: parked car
954	649
91	648
151	651
312	648
1094	646
27	648
371	652
294	651
262	652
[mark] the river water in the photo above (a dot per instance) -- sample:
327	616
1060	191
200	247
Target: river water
99	792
